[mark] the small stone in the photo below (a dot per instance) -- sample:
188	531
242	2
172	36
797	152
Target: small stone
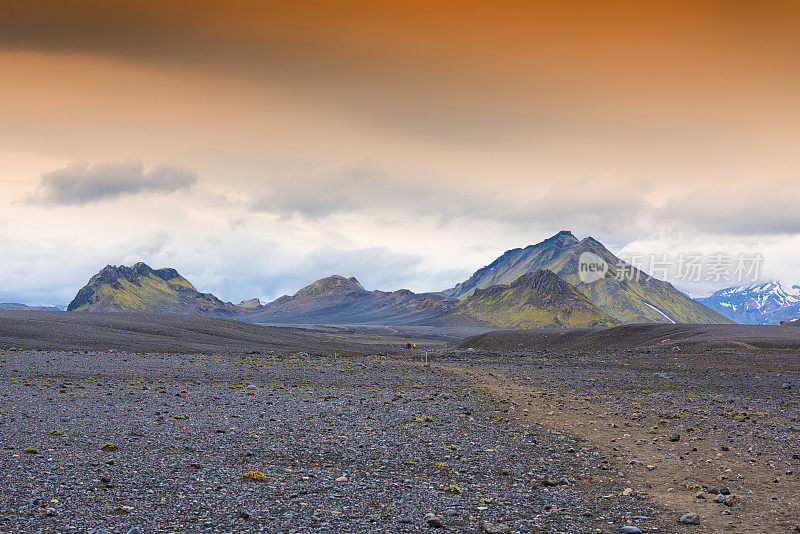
675	437
432	521
627	492
719	499
341	479
491	528
630	529
135	530
690	519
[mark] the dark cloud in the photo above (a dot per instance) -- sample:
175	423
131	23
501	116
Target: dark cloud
81	183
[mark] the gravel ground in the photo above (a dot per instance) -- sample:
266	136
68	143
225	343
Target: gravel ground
336	444
175	424
681	427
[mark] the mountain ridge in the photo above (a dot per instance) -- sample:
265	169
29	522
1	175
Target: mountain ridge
337	299
490	296
18	306
761	303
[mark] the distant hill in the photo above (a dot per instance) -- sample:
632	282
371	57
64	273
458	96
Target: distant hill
340	300
540	299
764	303
251	304
632	298
20	307
143	289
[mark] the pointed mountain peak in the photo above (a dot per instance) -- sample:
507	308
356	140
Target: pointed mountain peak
563	238
591	241
538	278
142	267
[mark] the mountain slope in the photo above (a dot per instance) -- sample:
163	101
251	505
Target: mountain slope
141	288
534	300
625	293
340	300
764	303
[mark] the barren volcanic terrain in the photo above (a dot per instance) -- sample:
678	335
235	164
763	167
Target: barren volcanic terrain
204	425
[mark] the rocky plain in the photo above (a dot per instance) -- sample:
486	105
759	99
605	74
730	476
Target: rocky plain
362	435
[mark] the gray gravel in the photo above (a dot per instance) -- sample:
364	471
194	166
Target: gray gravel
359	444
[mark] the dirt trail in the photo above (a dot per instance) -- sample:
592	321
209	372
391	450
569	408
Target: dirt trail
670	472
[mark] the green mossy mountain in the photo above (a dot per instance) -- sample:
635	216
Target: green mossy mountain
537	299
331	286
250	304
632	298
141	288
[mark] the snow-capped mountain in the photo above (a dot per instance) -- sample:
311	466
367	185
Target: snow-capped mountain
763	303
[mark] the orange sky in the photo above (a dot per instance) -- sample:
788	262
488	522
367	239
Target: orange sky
646	124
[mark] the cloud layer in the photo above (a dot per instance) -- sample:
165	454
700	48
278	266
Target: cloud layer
81	183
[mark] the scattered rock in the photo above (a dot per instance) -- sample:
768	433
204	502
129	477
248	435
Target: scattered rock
432	520
491	528
690	519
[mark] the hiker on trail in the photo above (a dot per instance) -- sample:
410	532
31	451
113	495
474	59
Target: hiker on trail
408	345
413	345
